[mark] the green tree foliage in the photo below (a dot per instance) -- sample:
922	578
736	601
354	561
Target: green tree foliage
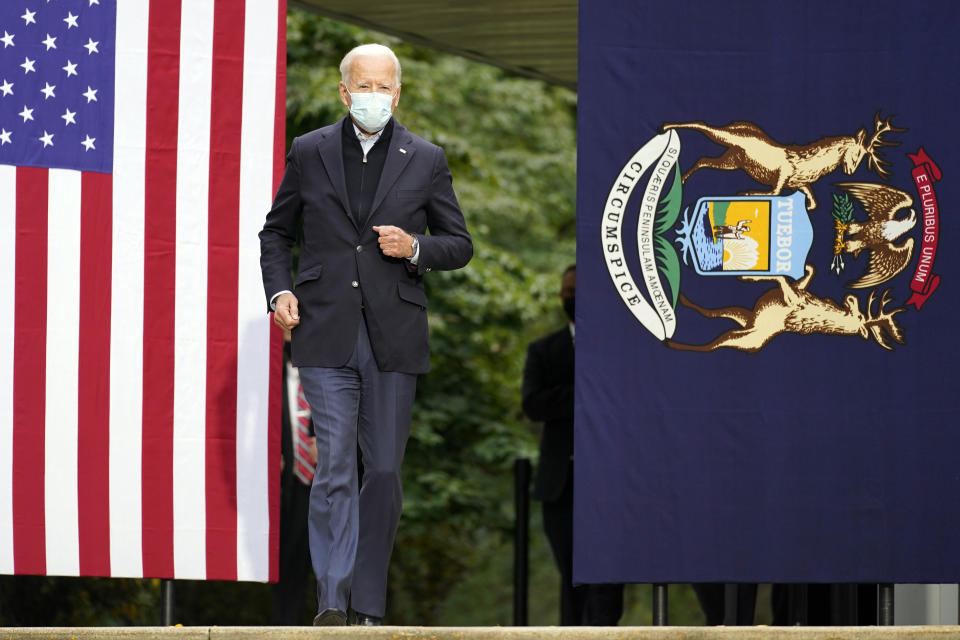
510	144
38	601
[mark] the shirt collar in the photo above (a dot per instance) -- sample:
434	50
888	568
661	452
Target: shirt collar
362	137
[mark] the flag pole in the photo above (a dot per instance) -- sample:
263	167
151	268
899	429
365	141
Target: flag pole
659	605
166	603
885	615
521	541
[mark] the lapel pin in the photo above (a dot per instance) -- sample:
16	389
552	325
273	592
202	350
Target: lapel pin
402	150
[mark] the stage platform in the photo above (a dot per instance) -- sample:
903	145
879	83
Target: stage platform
481	633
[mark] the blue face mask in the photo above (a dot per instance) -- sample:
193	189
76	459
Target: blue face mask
371	111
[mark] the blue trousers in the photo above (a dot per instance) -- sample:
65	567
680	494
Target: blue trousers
352	530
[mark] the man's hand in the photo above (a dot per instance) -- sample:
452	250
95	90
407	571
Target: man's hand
394	241
287	313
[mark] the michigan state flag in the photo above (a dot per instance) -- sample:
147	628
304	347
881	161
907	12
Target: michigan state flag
767	345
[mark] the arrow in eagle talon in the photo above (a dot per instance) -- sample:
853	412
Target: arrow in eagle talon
837	265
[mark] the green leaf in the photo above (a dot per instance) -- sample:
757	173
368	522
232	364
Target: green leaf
669	265
842	207
670	204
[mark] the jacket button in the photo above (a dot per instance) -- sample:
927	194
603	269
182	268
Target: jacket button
354	284
359	248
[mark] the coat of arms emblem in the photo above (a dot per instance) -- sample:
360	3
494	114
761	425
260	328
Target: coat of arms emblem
766	236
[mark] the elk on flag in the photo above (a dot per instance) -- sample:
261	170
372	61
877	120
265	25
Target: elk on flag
140	141
766	318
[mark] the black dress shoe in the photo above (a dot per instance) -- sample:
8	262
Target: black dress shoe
363	620
330	618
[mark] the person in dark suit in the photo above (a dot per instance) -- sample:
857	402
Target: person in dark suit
363	192
299	449
548	398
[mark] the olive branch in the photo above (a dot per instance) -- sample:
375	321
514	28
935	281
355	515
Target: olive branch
842	216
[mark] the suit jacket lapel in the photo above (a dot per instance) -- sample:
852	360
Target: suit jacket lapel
331	152
398	155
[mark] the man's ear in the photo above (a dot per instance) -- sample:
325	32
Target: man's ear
344	95
396	98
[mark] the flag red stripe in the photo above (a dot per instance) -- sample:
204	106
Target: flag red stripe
276	337
223	277
93	388
274	426
29	377
159	283
280	108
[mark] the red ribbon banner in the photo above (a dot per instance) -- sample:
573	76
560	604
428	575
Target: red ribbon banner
925	173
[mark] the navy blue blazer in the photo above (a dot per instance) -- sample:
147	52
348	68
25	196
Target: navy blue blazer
342	273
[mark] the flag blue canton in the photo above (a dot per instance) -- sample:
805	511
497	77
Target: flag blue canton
57	83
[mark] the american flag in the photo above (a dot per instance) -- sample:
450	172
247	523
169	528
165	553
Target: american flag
140	145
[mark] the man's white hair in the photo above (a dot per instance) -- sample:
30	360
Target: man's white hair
367	50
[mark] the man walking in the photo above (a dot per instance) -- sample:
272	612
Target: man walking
365	191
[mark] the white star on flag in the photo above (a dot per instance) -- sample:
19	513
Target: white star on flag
71	68
28	17
91	46
26	114
93	2
28	66
71	20
50	42
5	137
46	139
48	90
6	87
7	39
88	143
90	94
68	117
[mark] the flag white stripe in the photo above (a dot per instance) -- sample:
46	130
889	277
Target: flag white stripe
256	189
189	405
8	245
126	305
63	346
